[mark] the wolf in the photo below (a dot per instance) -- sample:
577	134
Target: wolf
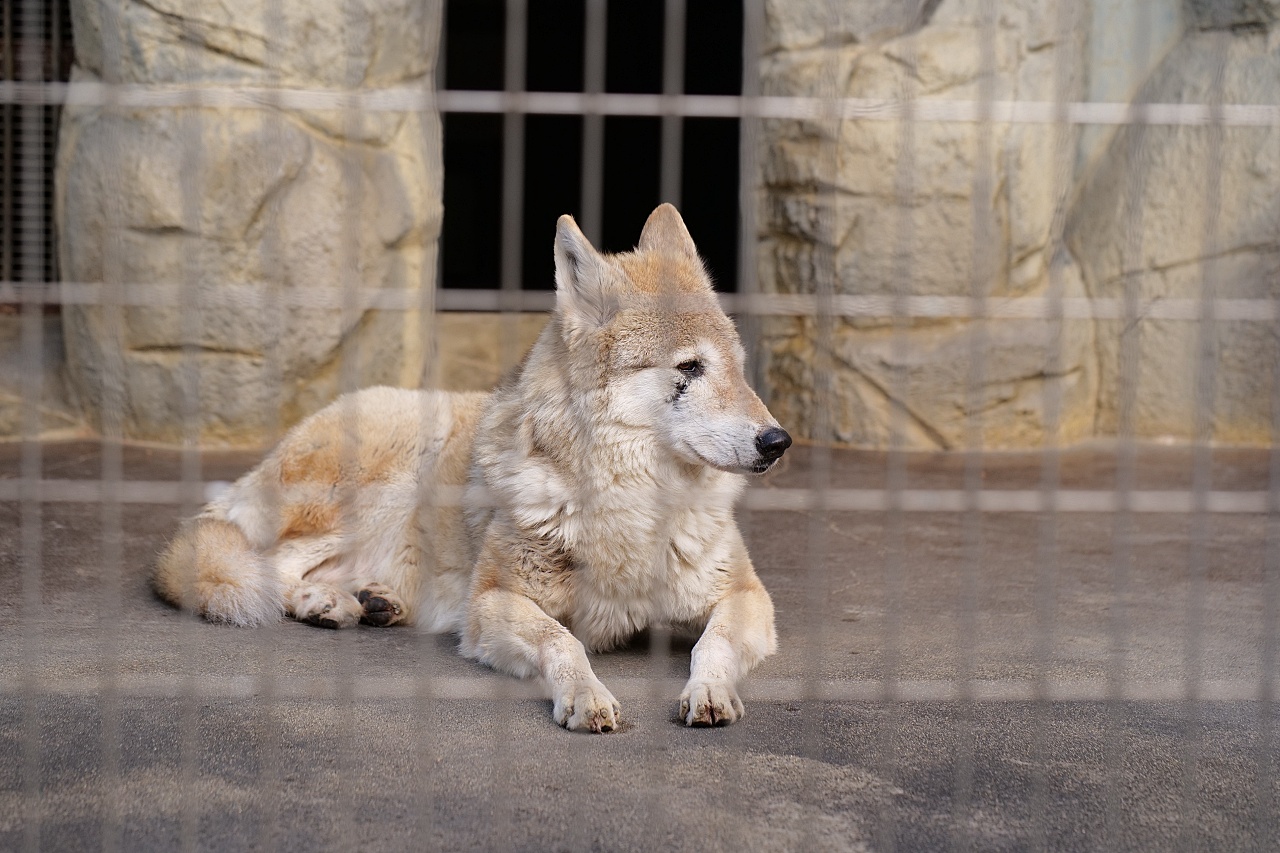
589	497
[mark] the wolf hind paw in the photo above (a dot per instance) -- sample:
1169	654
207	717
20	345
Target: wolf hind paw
381	606
326	608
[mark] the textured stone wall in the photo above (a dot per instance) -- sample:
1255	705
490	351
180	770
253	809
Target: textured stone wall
1175	212
935	209
248	222
245	220
953	208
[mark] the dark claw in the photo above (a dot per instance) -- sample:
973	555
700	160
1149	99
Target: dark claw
323	621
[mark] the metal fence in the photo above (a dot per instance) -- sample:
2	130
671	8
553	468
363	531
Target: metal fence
1087	522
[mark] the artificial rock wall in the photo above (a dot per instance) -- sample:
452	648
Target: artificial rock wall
863	207
244	224
233	234
1181	212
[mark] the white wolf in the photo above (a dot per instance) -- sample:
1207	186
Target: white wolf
588	498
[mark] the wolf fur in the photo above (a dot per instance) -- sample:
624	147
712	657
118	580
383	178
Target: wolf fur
588	498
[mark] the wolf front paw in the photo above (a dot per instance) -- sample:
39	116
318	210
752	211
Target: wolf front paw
382	607
586	706
326	608
710	703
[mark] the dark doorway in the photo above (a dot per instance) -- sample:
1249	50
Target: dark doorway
35	46
474	57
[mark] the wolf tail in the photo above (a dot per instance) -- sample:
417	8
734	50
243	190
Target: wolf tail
211	568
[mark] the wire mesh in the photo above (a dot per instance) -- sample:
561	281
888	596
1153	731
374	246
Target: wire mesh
924	710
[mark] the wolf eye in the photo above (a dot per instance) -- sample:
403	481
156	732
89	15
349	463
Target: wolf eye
691	368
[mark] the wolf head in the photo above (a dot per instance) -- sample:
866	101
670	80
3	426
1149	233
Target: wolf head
647	334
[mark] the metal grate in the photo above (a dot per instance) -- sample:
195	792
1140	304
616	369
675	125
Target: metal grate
1033	684
37	49
631	162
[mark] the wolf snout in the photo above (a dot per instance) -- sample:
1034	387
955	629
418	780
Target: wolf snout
771	443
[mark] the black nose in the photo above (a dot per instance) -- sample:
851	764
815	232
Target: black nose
772	443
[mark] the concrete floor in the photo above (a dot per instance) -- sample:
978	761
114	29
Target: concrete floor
126	725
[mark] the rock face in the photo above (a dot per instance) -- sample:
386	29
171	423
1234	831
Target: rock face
930	209
1180	212
244	241
957	209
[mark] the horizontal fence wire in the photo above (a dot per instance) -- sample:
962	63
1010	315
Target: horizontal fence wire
763	499
759	689
249	296
417	99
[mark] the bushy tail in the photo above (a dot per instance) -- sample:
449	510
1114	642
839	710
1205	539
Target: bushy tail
211	568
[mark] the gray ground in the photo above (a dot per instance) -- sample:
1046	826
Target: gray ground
296	738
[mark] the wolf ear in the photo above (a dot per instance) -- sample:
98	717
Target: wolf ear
664	231
585	290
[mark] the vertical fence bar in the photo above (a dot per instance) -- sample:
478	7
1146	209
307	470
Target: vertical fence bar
893	565
112	405
28	24
1128	367
111	428
513	121
513	125
673	42
748	194
189	288
268	636
7	158
1047	556
427	498
659	635
515	58
981	277
354	308
825	285
32	556
1269	626
593	82
1202	454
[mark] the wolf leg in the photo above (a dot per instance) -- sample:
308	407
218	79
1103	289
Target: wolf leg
738	635
510	632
